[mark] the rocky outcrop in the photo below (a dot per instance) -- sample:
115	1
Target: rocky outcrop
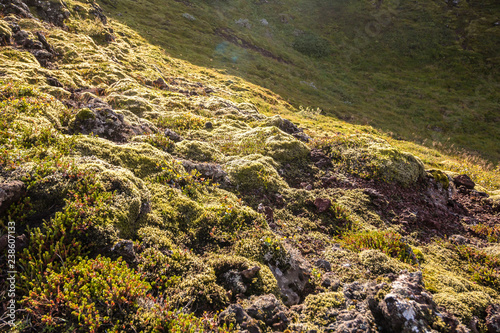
400	306
264	310
102	122
322	205
409	308
320	159
35	44
465	181
294	281
236	315
270	311
173	135
493	318
16	7
97	117
125	248
10	192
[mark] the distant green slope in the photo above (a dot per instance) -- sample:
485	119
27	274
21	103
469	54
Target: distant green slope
425	71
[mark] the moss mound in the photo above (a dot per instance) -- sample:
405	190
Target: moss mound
372	157
255	172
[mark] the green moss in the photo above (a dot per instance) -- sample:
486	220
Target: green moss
360	207
464	305
85	114
372	157
379	263
155	237
254	172
264	247
440	177
181	122
495	199
199	293
157	140
140	158
178	213
285	148
199	151
321	308
135	104
5	29
127	211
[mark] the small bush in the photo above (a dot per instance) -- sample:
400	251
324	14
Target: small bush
160	141
62	239
91	294
482	267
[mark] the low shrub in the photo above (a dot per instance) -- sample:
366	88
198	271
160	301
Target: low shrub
482	267
62	239
491	233
92	294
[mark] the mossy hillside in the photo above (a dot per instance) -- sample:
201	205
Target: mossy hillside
178	221
126	213
134	67
354	79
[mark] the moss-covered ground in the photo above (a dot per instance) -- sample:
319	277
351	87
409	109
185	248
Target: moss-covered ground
157	192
